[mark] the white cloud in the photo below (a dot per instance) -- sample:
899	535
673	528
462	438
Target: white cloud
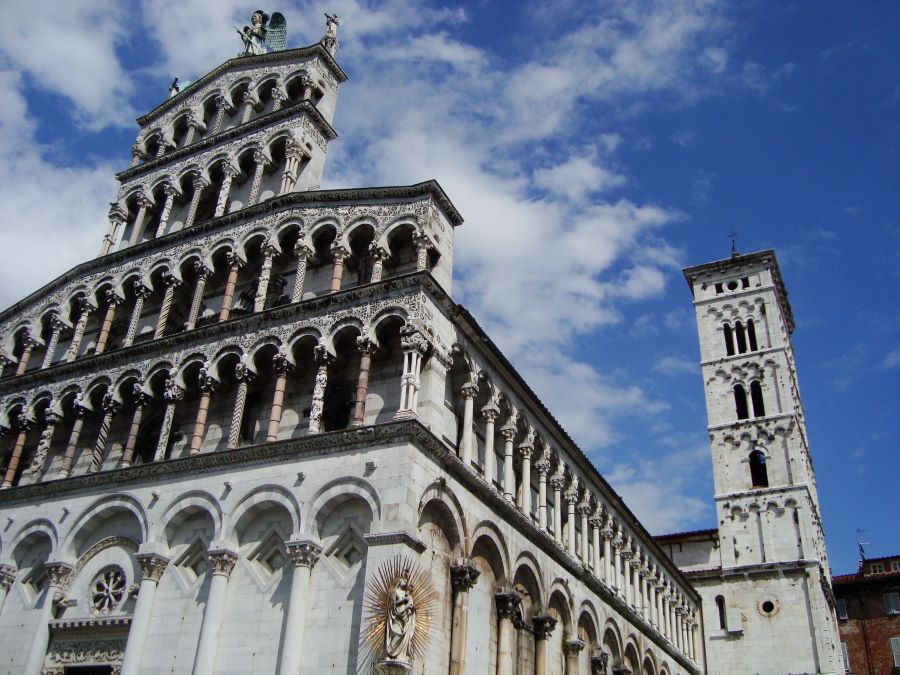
69	48
756	77
715	58
892	360
577	178
675	365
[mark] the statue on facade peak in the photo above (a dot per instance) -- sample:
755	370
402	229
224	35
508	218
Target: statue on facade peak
264	34
329	40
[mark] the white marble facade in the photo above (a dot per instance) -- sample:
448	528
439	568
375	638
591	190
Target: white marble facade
217	430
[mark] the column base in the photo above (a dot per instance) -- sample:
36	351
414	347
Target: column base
391	667
405	415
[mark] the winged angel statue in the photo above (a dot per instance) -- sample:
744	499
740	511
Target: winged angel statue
264	35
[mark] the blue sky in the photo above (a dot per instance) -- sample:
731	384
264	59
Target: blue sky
594	150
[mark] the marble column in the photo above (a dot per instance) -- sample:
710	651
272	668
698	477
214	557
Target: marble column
660	608
526	449
7	577
172	394
651	600
141	399
110	407
235	263
293	157
571	499
303	556
58	577
171	192
117	217
557	482
617	565
144	205
221	563
152	567
596	521
366	347
171	282
607	534
508	431
57	328
323	359
339	254
282	366
141	293
39	460
543	469
463	577
23	425
379	256
626	554
584	512
423	245
268	251
543	629
80	411
468	391
278	98
28	345
261	164
200	185
244	376
490	413
572	648
222	106
203	273
414	346
508	606
304	254
113	300
250	104
229	173
208	385
80	325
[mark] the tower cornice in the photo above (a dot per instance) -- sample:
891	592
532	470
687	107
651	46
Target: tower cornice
241	61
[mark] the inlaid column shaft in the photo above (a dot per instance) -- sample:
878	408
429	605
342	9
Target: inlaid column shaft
244	377
261	162
140	293
141	399
80	325
303	253
53	343
228	176
282	367
113	300
379	255
173	394
203	274
200	185
265	272
317	409
152	568
235	263
303	556
463	577
170	191
171	282
24	425
110	407
207	386
65	468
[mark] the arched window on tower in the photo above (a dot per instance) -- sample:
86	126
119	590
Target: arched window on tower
729	340
740	337
751	335
720	606
740	402
756	397
758	473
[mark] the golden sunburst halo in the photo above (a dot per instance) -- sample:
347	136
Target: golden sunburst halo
378	596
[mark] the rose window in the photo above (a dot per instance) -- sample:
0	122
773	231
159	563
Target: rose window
107	590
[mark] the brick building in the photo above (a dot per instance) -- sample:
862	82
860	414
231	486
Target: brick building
868	609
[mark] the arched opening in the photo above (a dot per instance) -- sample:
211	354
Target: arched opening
729	340
720	608
758	472
740	402
751	335
740	337
756	396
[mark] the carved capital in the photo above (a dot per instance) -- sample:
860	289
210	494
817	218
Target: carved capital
113	298
201	270
526	450
508	431
141	290
379	252
140	396
207	382
463	575
59	574
152	565
543	626
508	603
7	576
170	279
24	423
365	345
543	468
303	553
243	372
234	260
221	561
557	481
282	364
599	662
573	645
468	390
322	356
338	252
304	250
490	412
172	392
584	509
412	339
110	404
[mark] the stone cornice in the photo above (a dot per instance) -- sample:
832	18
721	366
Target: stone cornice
92	625
240	61
274	205
390	538
305	107
277	316
758	569
735	263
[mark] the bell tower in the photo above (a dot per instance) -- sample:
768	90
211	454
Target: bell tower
774	577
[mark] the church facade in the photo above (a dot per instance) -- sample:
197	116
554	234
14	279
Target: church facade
257	435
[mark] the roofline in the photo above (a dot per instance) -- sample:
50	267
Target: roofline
710	533
275	204
316	49
465	317
765	257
